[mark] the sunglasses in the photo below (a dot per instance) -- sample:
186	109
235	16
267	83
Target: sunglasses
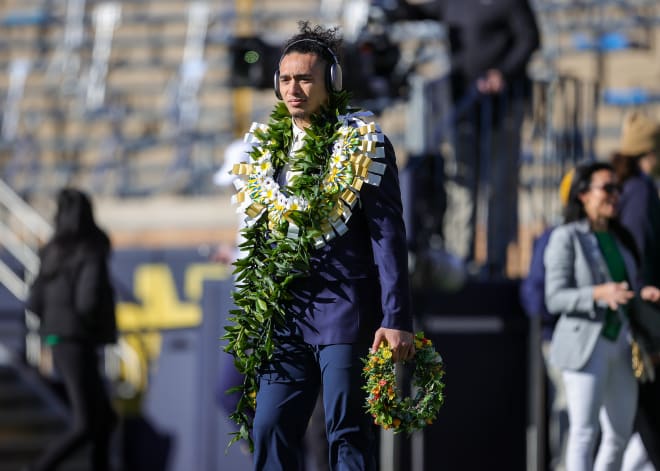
609	188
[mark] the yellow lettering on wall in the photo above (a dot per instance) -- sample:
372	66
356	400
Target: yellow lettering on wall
160	308
160	305
197	273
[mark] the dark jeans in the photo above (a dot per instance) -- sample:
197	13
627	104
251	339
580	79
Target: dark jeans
92	417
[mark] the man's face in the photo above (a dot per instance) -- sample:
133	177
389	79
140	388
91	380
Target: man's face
302	85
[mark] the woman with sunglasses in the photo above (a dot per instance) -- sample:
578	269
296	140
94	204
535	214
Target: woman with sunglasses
591	273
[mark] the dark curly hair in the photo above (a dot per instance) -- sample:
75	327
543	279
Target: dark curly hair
319	41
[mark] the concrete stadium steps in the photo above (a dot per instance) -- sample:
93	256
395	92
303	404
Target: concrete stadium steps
168	220
629	67
139	84
12	331
146	54
136	75
142	87
28	422
159	221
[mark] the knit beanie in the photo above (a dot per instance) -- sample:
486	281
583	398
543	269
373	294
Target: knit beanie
639	134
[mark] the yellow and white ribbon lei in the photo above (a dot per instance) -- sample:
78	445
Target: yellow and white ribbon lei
351	164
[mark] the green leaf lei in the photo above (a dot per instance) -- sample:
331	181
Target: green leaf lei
273	260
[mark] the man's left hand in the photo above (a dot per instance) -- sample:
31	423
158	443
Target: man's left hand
401	342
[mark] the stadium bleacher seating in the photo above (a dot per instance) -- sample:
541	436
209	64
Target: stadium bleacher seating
143	74
134	144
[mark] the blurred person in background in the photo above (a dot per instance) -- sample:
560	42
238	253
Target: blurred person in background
532	298
75	301
639	212
236	152
592	272
490	43
639	204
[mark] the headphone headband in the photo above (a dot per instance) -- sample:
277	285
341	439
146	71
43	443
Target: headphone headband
323	45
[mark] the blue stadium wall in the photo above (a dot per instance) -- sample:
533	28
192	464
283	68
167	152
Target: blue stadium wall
173	305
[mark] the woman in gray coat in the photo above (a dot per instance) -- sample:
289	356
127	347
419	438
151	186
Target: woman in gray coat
591	273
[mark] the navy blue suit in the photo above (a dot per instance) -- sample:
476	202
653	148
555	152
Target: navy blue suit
358	283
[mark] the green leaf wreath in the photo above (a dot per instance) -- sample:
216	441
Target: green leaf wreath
272	261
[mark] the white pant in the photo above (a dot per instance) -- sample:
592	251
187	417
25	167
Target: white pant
557	427
635	458
604	389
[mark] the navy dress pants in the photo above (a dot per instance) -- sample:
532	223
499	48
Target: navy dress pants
287	392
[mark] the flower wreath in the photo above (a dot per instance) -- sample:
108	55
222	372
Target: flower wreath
383	397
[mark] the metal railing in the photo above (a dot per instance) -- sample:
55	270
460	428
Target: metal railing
31	227
22	228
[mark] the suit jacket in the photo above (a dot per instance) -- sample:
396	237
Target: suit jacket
359	281
574	265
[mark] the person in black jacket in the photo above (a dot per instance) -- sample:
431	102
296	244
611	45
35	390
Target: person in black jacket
639	205
639	212
74	299
490	42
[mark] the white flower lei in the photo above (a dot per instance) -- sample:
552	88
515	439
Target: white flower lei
350	165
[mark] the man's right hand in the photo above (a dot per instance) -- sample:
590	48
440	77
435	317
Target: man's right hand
401	342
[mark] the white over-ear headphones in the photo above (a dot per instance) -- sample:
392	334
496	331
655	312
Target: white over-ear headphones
333	75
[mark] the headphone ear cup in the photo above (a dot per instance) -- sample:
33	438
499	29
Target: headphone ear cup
276	84
335	78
